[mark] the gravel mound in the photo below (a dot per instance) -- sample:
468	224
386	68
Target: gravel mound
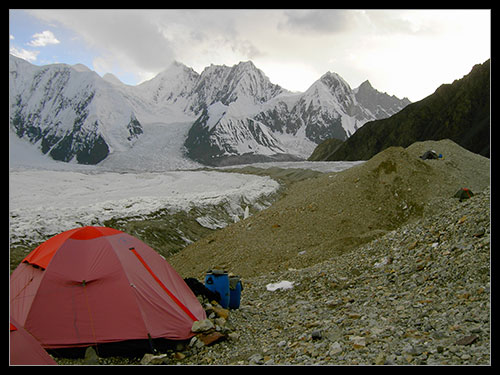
418	295
330	215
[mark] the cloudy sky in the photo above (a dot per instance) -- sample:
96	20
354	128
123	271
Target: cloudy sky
407	53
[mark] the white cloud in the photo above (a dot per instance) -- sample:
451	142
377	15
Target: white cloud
398	49
322	21
24	54
44	38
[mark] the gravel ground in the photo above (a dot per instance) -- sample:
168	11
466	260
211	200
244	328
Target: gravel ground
385	266
418	295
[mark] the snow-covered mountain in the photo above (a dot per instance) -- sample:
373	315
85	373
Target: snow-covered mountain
225	114
69	112
283	125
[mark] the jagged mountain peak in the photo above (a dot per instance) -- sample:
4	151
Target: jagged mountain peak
331	75
81	68
381	104
177	67
333	80
173	72
366	85
231	111
220	83
332	93
328	84
69	113
111	78
246	64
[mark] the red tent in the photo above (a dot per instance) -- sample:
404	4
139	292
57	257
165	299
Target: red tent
95	285
24	349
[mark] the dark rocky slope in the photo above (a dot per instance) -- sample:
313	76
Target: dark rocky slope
459	111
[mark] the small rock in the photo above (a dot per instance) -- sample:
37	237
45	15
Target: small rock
151	359
413	350
196	342
467	340
211	338
256	359
335	348
91	357
465	357
220	322
202	325
316	334
380	360
221	312
358	342
478	232
179	356
281	343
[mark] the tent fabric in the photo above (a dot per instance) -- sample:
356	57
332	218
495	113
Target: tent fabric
431	154
42	255
25	349
86	287
463	193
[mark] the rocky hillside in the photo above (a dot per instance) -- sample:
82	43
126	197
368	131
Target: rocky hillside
459	111
323	217
379	263
419	295
325	149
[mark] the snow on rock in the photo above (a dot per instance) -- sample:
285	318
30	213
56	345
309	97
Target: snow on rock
160	148
284	285
69	112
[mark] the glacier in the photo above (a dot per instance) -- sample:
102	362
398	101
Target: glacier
45	202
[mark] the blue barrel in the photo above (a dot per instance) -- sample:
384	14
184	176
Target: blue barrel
234	292
218	281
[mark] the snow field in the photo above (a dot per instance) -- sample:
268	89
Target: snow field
43	203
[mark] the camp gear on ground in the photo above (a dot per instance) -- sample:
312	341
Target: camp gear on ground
94	285
463	194
201	290
235	289
431	154
218	281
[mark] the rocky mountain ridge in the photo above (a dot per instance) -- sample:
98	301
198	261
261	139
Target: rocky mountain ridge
459	111
72	114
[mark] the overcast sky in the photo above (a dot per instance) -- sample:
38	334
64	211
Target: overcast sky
407	53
